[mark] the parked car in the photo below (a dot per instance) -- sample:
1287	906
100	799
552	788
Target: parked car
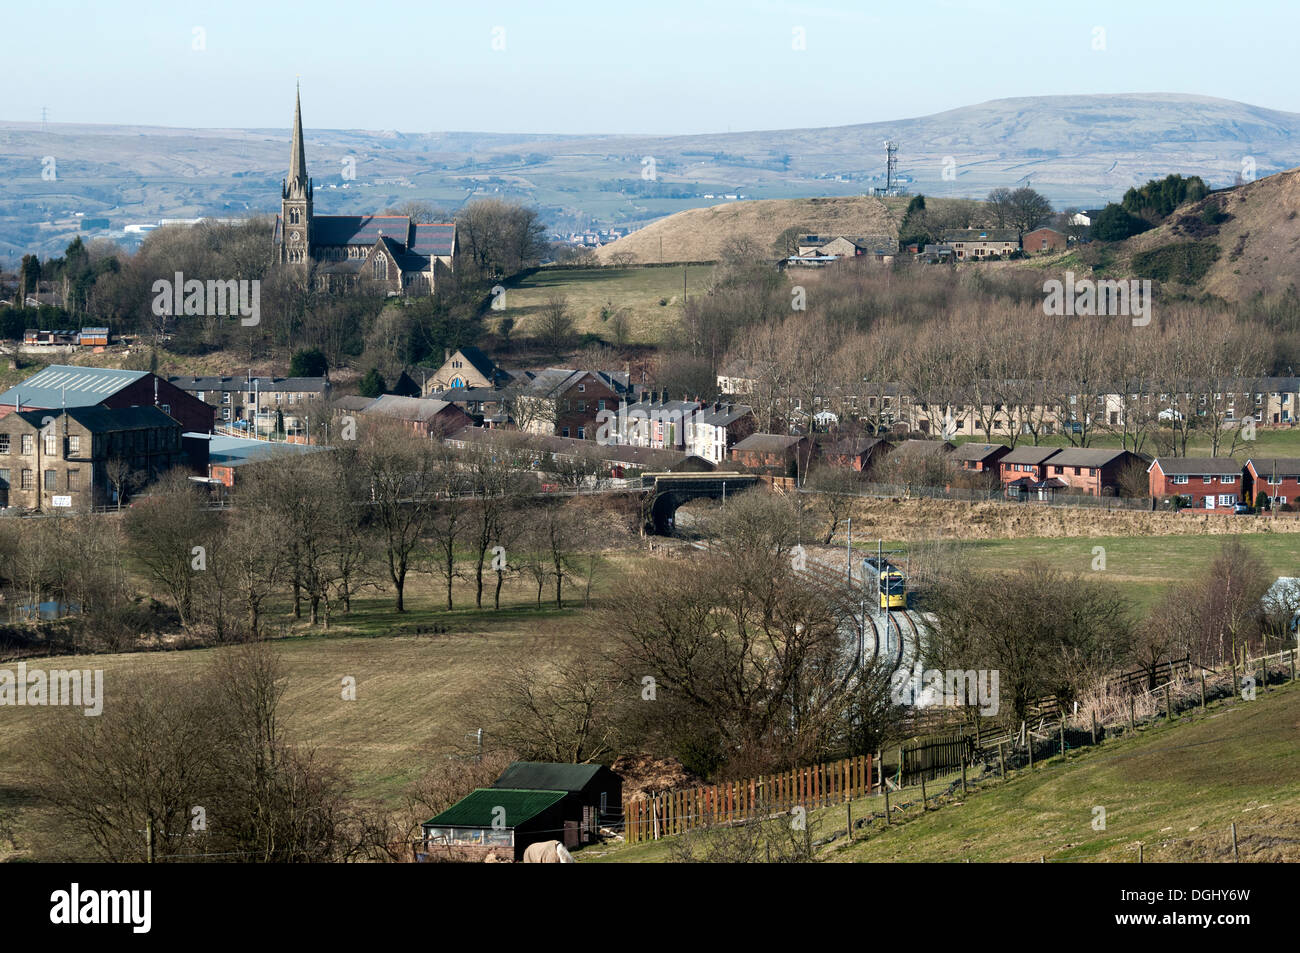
1241	508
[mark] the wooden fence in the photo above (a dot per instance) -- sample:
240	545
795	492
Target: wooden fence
936	755
1137	682
673	812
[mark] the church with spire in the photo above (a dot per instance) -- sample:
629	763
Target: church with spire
389	254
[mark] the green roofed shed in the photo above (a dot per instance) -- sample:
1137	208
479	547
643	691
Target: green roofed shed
500	820
483	806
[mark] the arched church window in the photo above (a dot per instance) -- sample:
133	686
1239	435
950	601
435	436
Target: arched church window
294	218
380	266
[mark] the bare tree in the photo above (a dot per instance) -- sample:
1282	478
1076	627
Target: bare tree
555	324
403	479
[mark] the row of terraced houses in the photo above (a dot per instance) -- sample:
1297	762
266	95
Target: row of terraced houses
1023	407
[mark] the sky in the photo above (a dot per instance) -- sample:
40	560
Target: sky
619	66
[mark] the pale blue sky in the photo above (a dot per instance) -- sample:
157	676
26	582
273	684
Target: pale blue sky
573	66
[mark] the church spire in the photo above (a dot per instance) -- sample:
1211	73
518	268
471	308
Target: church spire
298	185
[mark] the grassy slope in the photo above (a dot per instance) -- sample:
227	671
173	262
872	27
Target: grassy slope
1176	789
588	290
1173	788
703	234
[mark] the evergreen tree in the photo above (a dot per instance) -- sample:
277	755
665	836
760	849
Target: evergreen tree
372	385
309	362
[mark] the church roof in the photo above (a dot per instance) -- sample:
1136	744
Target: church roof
434	240
358	229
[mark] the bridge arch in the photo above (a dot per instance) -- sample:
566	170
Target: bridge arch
668	491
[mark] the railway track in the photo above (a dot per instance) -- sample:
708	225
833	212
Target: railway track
875	625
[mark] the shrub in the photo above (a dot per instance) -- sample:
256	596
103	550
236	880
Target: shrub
1185	263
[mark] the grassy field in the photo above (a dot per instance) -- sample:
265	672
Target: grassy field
415	693
1142	568
1173	788
593	292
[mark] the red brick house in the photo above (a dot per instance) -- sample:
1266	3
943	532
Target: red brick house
1042	241
855	453
1092	472
979	457
1276	477
567	403
1026	463
1210	482
782	454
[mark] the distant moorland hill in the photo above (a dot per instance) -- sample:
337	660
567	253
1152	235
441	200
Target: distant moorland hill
1077	150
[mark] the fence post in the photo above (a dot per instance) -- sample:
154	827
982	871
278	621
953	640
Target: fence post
1029	743
1293	665
1094	726
1062	734
1002	763
1202	689
1132	725
1264	665
849	807
1139	853
924	806
1169	708
887	822
963	777
1236	858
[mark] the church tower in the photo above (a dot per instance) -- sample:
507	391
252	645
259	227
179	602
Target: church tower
295	202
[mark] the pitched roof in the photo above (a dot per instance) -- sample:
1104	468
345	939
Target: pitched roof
435	240
977	451
358	229
852	446
484	805
354	402
1179	466
556	380
61	385
722	415
768	442
1030	454
547	776
107	419
481	362
1083	457
407	408
1281	466
311	385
